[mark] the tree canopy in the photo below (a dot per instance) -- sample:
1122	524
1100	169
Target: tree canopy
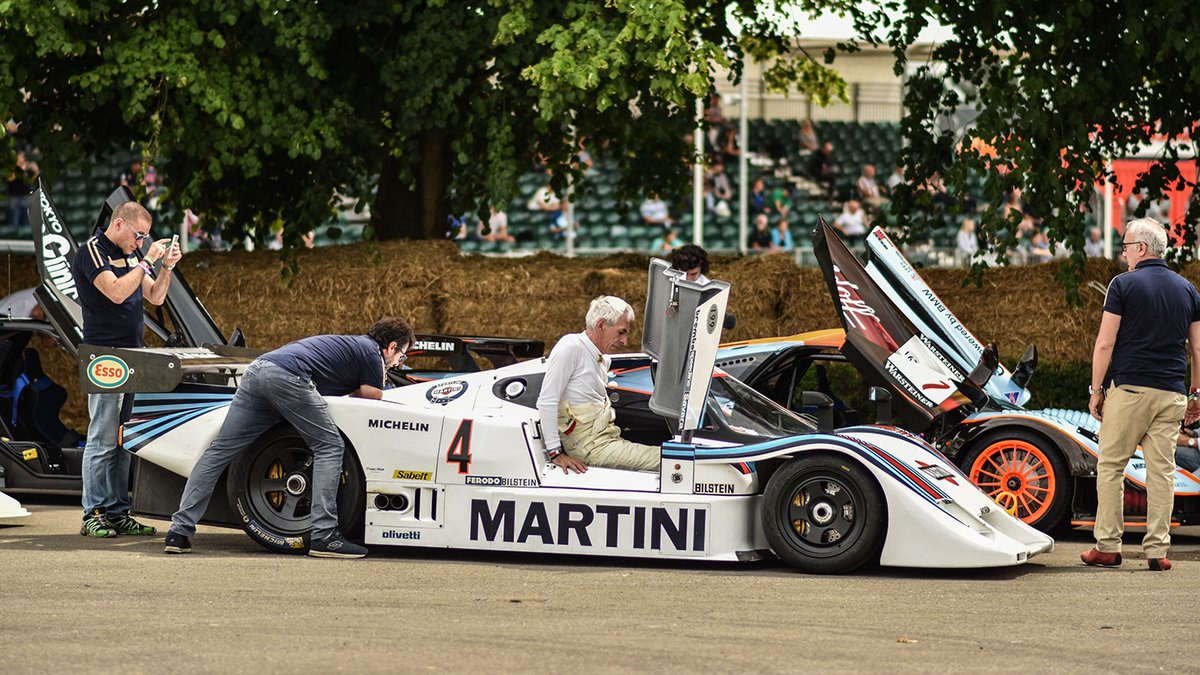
265	111
1059	89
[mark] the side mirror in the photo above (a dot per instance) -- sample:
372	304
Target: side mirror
883	405
824	408
1023	373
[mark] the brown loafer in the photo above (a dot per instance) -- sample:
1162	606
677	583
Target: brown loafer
1102	559
1159	564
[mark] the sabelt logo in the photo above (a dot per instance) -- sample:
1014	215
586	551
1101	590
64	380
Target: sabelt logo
108	372
405	474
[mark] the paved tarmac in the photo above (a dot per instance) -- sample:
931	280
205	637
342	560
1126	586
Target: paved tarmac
70	604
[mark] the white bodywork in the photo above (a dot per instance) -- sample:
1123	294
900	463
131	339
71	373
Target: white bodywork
454	464
11	508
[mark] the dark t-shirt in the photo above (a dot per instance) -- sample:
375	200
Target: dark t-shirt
104	322
760	237
336	364
1156	306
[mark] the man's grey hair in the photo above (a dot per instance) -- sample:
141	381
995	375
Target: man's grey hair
1151	232
609	309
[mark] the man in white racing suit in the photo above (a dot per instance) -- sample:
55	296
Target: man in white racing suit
576	414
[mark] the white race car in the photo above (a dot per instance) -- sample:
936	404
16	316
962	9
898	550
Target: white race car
460	463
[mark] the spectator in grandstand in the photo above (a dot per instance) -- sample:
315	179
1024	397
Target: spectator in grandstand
456	227
664	243
759	238
728	145
717	191
808	137
756	201
1094	246
546	201
781	200
199	238
714	119
868	188
781	237
852	221
966	242
656	212
1039	248
692	260
895	179
497	228
822	169
20	183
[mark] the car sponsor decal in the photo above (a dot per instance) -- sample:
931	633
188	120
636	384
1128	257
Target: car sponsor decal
444	392
406	474
108	372
395	534
155	414
714	488
670	528
500	481
397	425
433	346
57	250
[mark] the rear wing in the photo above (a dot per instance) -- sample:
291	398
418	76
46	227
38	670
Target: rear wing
113	370
457	350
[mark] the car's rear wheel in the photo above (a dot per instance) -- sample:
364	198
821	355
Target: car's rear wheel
270	489
824	514
1024	474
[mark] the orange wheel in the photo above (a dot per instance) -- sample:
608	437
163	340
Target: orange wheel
1017	464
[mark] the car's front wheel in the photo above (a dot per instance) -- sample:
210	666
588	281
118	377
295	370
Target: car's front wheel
824	514
270	490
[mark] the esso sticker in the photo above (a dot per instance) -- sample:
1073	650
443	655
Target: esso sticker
444	392
108	372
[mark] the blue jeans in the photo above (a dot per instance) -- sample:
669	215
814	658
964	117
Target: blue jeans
267	395
18	211
105	463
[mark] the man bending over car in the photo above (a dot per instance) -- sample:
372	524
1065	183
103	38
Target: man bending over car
577	417
289	384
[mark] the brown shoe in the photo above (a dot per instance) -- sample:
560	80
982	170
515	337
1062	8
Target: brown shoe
1159	564
1101	559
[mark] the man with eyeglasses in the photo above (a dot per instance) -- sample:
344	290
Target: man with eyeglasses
1151	318
288	385
112	283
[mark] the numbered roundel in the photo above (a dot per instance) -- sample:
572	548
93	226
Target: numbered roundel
514	389
108	372
444	392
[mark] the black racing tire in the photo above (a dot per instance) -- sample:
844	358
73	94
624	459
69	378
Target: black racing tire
824	514
1027	466
270	490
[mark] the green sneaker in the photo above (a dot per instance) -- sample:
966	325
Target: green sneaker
125	524
95	524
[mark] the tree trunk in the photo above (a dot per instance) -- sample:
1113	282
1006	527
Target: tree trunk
416	210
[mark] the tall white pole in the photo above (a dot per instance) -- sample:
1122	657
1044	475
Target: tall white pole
1107	211
743	172
698	178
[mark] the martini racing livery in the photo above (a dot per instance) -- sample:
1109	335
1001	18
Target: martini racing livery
459	462
897	334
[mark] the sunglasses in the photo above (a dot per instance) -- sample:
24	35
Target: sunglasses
138	237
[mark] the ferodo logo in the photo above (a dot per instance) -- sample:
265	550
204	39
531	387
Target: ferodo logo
108	372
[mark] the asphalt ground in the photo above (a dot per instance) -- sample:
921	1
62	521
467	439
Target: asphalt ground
71	604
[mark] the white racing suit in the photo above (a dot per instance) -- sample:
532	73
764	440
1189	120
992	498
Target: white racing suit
589	434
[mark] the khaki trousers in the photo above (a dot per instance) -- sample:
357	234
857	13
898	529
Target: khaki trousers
589	435
1137	415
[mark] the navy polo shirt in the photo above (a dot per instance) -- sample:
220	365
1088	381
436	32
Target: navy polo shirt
107	323
1156	306
336	364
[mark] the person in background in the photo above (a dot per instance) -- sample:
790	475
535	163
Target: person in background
692	260
20	183
1151	322
663	243
868	188
852	221
781	237
966	242
759	238
1094	246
